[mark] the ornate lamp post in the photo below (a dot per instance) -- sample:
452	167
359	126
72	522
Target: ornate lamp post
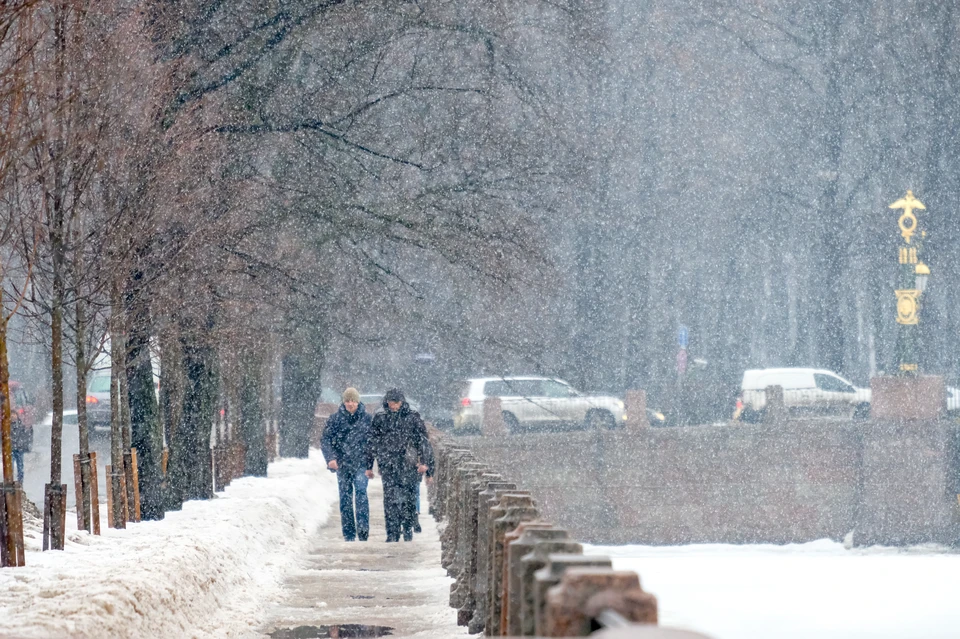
911	282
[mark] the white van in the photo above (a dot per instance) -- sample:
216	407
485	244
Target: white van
806	391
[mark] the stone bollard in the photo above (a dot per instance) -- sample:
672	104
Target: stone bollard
530	564
466	583
450	553
454	509
511	518
466	475
434	488
446	458
519	543
492	425
487	501
549	576
496	509
466	538
584	593
775	411
636	406
444	478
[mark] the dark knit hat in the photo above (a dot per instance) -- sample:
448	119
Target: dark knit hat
351	395
393	395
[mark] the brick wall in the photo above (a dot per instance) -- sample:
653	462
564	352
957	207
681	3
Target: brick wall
792	482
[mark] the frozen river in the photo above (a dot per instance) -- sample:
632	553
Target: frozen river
819	589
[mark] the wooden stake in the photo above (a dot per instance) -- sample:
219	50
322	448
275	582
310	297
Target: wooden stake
4	535
109	472
94	494
46	517
164	458
136	484
130	485
11	526
17	526
78	490
54	516
62	537
123	496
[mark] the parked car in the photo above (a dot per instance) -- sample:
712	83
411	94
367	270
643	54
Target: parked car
535	403
953	399
656	418
23	411
806	391
98	402
98	391
327	405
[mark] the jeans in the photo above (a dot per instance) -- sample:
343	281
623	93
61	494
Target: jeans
18	462
353	483
399	502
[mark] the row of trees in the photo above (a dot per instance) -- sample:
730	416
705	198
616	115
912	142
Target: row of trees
237	188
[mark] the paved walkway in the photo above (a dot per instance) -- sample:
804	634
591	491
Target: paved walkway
398	585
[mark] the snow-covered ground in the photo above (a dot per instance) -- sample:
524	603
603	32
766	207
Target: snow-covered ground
819	589
209	570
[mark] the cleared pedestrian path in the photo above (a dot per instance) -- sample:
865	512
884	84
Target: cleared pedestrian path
341	585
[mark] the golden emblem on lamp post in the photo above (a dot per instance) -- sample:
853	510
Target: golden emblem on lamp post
907	306
911	281
908	220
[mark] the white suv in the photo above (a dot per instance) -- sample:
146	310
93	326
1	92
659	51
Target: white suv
534	403
810	391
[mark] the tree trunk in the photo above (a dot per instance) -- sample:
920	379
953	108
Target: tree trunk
118	388
145	433
251	416
13	525
81	366
53	515
191	469
299	399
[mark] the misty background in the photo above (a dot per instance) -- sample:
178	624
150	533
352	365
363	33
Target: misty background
410	193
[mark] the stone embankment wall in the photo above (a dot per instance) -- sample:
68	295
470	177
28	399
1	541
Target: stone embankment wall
517	573
794	481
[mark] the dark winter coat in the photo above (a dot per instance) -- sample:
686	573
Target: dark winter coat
346	439
399	441
20	436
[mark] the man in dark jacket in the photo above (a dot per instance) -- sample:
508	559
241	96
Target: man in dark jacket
345	446
398	441
21	438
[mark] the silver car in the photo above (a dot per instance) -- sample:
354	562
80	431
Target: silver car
535	403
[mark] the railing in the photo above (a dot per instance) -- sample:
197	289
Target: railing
516	575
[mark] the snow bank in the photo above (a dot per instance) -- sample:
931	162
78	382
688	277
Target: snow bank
798	591
205	571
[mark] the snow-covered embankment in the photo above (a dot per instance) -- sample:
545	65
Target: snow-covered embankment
207	570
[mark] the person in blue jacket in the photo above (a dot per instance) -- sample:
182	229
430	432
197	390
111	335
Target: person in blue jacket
346	447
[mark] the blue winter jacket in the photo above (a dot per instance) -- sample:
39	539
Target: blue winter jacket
346	439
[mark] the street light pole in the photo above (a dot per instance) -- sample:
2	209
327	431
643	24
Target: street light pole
911	282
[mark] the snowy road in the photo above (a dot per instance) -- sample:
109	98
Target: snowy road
799	591
36	464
